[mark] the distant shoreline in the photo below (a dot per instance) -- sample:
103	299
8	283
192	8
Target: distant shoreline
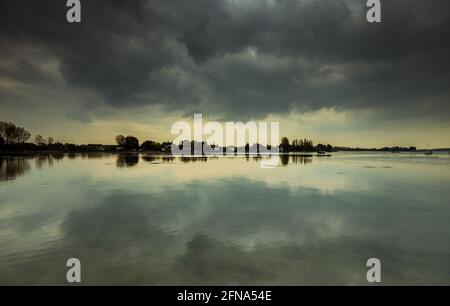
306	154
45	152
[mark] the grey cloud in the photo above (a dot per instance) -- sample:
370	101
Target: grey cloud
188	55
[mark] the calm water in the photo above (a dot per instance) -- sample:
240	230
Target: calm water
151	220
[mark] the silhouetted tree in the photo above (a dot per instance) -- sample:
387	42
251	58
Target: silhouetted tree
306	145
147	145
39	140
3	130
70	147
21	135
50	141
284	146
151	145
12	134
2	141
131	143
321	147
120	140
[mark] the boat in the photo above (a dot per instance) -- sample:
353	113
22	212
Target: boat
428	152
322	153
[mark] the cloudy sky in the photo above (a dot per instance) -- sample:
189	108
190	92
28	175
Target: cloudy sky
317	66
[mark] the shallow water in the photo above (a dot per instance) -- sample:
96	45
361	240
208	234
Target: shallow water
141	219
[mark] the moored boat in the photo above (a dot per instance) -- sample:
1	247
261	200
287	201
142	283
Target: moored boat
323	153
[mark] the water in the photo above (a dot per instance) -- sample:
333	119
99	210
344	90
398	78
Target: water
152	220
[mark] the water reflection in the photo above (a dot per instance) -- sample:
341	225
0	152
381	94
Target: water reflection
95	155
127	160
296	159
168	159
43	160
130	160
224	221
72	155
192	159
47	160
10	168
284	159
156	159
151	158
90	155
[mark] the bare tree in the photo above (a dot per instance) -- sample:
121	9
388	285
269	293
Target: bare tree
120	140
3	126
39	140
50	141
22	135
11	134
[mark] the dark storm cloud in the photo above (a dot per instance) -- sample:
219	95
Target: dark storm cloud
240	58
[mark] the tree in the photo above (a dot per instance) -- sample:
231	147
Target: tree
12	134
10	131
148	145
2	141
39	140
284	146
3	128
22	135
50	141
321	147
120	140
151	145
306	145
131	143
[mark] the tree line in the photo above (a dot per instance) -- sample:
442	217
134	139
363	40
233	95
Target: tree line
17	137
132	143
303	145
12	134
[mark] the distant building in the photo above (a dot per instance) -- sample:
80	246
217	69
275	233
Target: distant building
96	147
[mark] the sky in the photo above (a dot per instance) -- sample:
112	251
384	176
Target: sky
316	66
